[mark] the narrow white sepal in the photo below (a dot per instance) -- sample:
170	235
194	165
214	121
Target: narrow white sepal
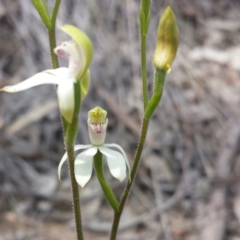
116	162
45	77
60	73
64	158
83	166
65	93
124	155
78	147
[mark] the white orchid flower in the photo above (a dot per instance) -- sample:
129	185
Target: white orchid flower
79	52
97	125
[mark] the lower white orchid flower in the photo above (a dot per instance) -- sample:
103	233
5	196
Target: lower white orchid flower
97	125
79	52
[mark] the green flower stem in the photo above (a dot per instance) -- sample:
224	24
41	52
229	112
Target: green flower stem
117	215
108	192
70	142
55	11
75	192
144	72
69	130
52	44
160	75
43	12
144	16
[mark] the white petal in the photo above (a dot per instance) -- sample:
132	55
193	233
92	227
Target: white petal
78	147
65	93
46	77
83	166
124	155
116	162
64	158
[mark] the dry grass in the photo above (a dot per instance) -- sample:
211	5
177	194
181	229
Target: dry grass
192	153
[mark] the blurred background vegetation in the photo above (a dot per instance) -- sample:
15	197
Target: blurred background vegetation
187	187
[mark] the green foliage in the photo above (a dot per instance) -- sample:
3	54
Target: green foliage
43	11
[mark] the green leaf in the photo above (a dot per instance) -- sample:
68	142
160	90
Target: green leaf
43	11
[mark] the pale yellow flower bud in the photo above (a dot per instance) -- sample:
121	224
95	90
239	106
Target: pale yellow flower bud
167	41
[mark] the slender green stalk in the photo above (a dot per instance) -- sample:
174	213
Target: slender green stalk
43	12
117	215
52	44
69	130
159	80
75	192
144	71
70	142
108	192
160	75
55	11
144	16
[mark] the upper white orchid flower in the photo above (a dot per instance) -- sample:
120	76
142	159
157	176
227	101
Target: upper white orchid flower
79	52
97	125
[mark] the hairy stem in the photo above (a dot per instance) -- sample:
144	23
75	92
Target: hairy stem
52	44
137	158
70	142
144	18
69	130
144	71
